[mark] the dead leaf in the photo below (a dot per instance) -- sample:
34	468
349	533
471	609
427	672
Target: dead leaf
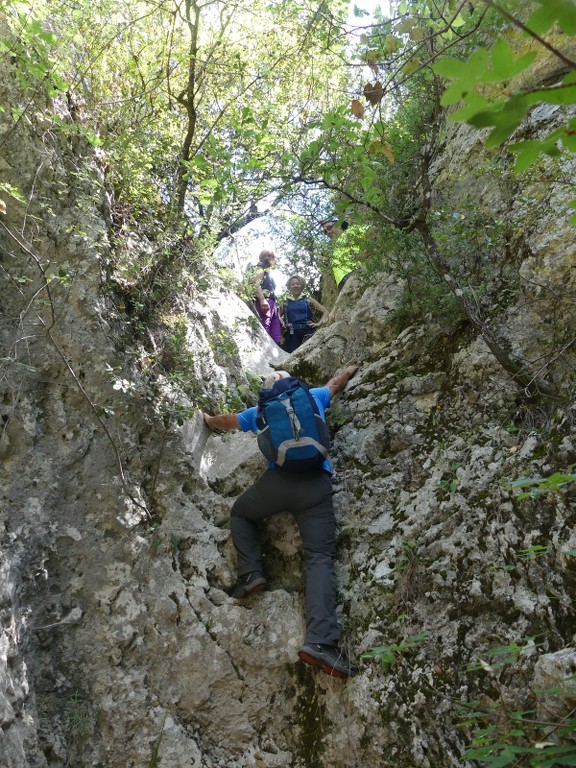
357	109
372	58
373	93
2	206
380	147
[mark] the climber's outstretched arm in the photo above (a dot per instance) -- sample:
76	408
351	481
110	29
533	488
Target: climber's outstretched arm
337	383
222	421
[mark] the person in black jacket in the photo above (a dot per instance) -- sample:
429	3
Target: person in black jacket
296	312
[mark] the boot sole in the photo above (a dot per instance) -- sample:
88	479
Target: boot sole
323	666
253	591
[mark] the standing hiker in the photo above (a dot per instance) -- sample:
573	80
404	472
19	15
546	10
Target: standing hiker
265	299
296	312
307	495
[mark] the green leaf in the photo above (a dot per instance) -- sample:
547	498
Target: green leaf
474	104
12	191
561	11
392	43
459	21
504	118
505	66
557	760
559	94
465	74
505	757
528	152
523	482
93	139
569	141
468	70
405	25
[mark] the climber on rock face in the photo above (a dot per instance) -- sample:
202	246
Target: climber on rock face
307	494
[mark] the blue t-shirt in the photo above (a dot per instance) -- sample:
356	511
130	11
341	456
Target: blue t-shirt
247	418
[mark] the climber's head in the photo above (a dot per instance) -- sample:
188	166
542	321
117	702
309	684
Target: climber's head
267	259
334	228
276	376
296	284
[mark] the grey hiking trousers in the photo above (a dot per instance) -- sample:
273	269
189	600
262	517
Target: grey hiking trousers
308	497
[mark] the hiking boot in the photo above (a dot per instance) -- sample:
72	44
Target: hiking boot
329	658
248	585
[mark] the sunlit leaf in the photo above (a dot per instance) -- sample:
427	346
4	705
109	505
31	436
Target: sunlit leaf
379	147
560	94
405	25
392	43
412	65
417	34
504	119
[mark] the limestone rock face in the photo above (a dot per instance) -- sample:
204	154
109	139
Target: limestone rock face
119	645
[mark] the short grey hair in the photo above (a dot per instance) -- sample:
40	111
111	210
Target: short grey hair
301	280
269	381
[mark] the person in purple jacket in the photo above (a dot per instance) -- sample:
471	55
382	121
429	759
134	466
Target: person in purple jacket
308	497
265	298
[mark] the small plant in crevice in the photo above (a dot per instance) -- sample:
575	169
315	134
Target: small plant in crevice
450	484
155	757
553	484
391	655
512	732
223	344
312	722
336	417
78	718
545	553
408	570
424	293
534	551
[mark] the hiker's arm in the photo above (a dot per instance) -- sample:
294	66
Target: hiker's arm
258	277
321	308
337	383
222	421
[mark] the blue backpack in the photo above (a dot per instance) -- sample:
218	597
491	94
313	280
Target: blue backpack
292	434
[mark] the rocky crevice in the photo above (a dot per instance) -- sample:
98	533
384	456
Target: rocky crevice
119	644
